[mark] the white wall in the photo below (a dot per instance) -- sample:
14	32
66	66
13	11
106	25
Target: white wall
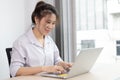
15	18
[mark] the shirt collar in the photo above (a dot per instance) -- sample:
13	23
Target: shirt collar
33	39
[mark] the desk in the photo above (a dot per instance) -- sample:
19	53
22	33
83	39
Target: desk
98	72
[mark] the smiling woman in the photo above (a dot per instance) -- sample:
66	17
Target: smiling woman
35	51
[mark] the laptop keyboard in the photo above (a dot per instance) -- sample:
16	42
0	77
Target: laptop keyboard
63	75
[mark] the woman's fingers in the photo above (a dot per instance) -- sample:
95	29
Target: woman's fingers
65	65
59	69
55	69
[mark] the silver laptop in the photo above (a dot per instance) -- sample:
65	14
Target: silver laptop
83	63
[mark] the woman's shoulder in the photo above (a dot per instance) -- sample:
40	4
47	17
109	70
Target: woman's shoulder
21	39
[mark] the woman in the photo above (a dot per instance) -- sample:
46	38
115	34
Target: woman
35	51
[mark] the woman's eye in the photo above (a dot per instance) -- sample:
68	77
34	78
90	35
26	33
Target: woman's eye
53	23
48	22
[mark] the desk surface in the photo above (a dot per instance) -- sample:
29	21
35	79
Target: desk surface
98	72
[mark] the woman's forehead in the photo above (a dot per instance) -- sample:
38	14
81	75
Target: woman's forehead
51	17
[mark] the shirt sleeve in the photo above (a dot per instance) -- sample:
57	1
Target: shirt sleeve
17	58
57	57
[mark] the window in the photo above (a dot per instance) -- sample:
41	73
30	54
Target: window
87	44
118	47
91	14
86	24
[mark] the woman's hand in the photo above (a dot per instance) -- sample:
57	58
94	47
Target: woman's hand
65	65
54	69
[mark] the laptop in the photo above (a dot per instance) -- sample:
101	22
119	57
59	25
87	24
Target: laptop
83	63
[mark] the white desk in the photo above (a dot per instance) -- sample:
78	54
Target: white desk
98	72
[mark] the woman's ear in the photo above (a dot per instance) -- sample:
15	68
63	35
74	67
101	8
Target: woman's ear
36	20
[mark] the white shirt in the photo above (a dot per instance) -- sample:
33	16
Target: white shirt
28	52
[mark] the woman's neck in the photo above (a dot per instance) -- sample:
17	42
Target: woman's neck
38	35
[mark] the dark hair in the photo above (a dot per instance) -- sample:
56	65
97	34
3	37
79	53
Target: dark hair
42	9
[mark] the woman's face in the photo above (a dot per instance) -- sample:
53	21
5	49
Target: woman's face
46	24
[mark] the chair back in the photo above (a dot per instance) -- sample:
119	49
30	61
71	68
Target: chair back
8	52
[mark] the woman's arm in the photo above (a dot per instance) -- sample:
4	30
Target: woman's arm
34	70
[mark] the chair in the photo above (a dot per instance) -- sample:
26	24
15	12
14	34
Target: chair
8	52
